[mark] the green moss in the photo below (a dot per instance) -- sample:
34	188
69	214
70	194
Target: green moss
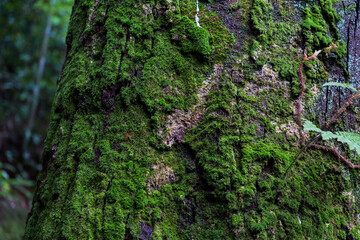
190	37
261	20
315	28
107	172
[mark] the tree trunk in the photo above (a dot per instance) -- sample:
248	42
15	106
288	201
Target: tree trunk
163	128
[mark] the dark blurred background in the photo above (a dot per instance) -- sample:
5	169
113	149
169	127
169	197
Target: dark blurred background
32	51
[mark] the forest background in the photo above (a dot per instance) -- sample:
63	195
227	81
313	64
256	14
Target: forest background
32	50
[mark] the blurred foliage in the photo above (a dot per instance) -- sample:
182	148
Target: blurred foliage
12	219
12	187
22	44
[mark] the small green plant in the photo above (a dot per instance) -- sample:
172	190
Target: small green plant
352	139
12	188
337	84
349	138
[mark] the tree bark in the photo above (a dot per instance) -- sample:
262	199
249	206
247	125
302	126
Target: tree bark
162	129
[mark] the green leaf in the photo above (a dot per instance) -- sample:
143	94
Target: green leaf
352	139
328	135
4	174
309	126
6	187
337	84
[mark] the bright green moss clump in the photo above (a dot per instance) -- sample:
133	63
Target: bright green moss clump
261	20
190	37
316	29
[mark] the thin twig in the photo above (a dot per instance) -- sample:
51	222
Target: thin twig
330	47
336	153
299	105
301	151
306	58
336	115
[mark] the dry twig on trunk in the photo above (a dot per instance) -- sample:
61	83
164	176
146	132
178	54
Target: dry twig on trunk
336	153
336	115
299	106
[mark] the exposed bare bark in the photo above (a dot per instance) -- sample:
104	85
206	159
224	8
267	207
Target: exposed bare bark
336	115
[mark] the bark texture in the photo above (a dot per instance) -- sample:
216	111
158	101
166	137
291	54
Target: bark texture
165	130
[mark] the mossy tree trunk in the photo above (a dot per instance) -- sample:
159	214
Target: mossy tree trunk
164	130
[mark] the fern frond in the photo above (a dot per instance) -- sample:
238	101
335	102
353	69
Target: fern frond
337	84
351	139
309	126
326	135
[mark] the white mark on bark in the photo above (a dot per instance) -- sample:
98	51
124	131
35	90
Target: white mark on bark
197	14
